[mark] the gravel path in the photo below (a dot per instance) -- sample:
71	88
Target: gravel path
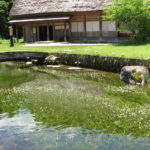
62	44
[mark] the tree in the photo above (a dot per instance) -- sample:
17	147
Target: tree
5	6
134	14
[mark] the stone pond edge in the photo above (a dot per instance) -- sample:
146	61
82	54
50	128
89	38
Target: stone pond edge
103	63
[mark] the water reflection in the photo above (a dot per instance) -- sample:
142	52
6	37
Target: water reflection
22	122
22	132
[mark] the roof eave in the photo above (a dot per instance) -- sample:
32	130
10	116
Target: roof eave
48	13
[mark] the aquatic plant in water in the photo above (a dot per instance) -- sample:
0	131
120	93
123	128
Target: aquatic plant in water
86	98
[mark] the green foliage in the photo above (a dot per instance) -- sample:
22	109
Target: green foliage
133	14
5	6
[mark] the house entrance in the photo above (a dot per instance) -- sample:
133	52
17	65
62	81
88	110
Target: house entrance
43	33
51	32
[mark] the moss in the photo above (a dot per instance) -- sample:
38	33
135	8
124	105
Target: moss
133	70
138	76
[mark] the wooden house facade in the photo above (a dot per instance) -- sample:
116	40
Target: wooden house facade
63	20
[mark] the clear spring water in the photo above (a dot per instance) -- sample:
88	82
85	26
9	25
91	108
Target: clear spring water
52	108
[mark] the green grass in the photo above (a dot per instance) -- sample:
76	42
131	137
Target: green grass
128	49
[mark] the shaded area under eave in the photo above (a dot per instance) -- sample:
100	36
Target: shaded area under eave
40	19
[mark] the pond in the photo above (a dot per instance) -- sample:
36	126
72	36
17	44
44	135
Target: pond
67	108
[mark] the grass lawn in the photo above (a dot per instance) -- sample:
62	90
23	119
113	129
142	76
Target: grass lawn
124	49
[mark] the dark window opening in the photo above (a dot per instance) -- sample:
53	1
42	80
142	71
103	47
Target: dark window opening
43	33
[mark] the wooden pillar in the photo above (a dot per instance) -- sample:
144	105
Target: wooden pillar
65	32
38	33
85	35
53	31
24	33
69	31
17	33
32	33
100	27
48	32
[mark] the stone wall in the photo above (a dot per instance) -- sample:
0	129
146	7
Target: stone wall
22	56
109	64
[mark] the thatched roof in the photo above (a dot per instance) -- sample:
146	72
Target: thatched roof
32	7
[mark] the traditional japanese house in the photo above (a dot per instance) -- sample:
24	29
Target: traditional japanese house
63	20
